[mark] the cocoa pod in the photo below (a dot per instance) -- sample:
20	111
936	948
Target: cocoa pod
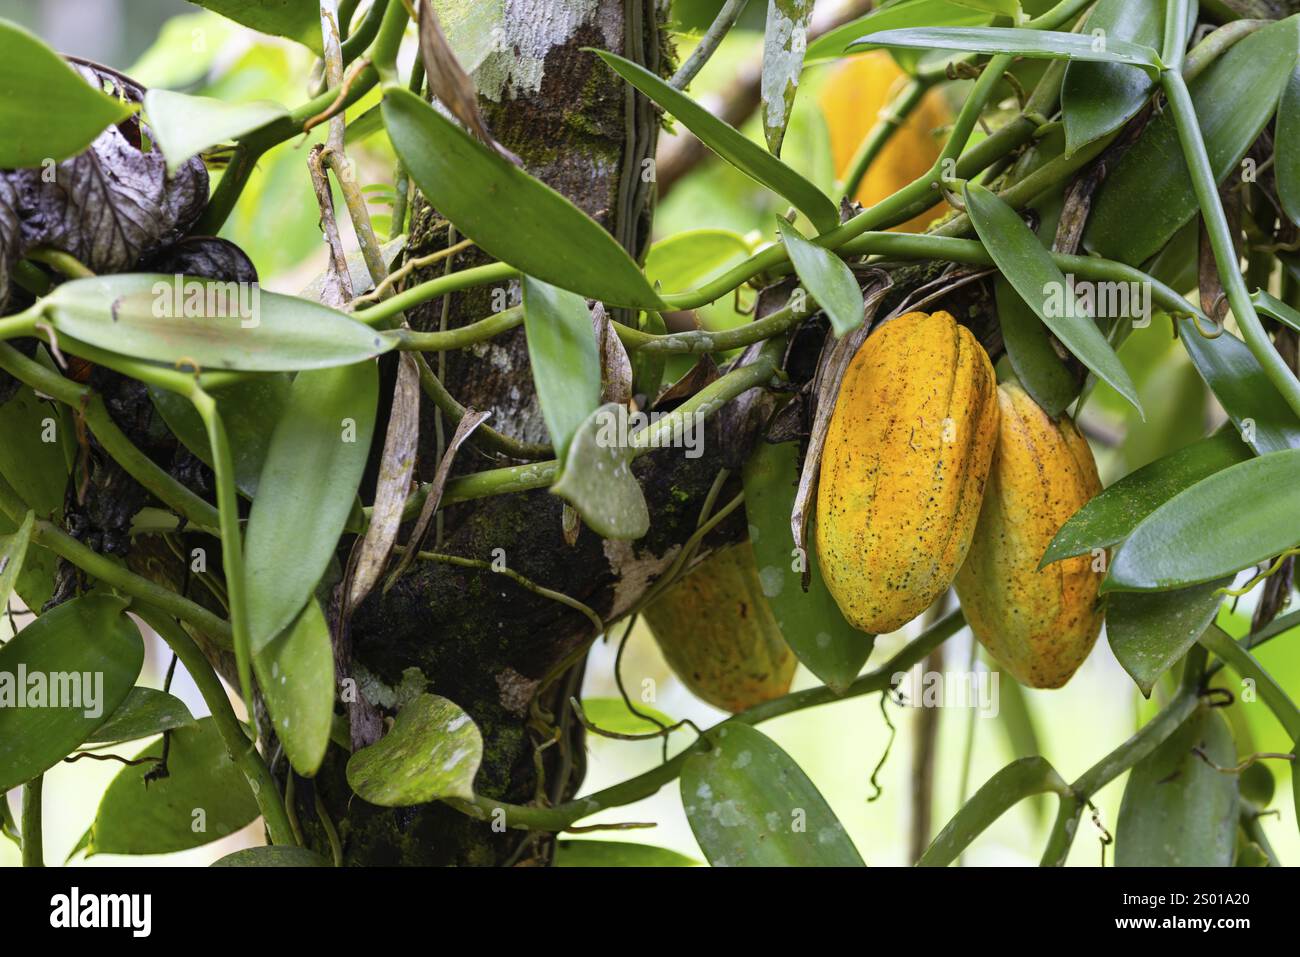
1038	624
906	458
717	633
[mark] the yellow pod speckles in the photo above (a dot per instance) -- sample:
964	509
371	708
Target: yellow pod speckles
717	633
906	458
1039	625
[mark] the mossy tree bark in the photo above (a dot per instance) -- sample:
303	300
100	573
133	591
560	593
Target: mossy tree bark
477	637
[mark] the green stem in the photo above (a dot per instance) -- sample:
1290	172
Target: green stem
357	41
720	27
21	324
1146	740
33	838
1225	254
232	549
62	262
138	465
1174	46
898	245
1218	42
1221	644
388	40
243	752
485	437
1276	627
894	115
252	145
562	816
432	289
111	573
535	475
1014	783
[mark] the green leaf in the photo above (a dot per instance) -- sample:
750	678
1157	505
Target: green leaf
750	805
1035	276
182	321
811	621
272	855
83	656
1028	43
48	112
826	278
1177	810
688	259
203	798
1272	306
31	452
1264	420
612	714
784	42
1286	148
293	19
295	671
1151	631
433	751
597	477
1111	516
1257	784
1231	520
1029	348
617	854
250	410
1148	194
1017	781
13	552
185	126
732	145
911	13
1099	98
1005	8
34	583
509	214
313	468
142	714
564	358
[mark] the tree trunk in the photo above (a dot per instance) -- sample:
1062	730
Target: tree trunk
477	637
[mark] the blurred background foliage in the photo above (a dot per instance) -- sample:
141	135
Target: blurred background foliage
710	220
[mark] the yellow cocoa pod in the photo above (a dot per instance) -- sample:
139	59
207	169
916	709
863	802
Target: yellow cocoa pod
852	99
907	454
1039	625
717	633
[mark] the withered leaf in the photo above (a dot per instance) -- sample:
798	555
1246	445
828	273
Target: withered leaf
108	206
449	82
467	424
615	365
395	470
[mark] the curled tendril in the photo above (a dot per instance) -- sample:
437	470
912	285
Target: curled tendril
1247	762
1270	571
1216	326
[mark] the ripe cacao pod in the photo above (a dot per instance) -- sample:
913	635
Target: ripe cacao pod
907	454
717	633
1038	624
856	93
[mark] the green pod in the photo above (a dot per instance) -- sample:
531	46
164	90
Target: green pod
718	634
